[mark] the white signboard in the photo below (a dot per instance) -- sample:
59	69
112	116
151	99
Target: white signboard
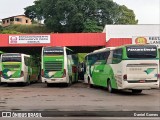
153	40
29	39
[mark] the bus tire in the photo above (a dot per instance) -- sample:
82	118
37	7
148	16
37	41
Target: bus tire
70	82
28	81
9	84
49	84
136	91
109	87
89	84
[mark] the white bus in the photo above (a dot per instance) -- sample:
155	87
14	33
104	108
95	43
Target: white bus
1	52
19	68
131	67
59	65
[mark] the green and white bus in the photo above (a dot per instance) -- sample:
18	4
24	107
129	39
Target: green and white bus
1	52
59	65
19	68
131	67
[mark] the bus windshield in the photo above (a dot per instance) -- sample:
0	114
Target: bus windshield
53	51
141	51
11	58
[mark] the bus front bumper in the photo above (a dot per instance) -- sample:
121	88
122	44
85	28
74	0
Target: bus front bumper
13	80
54	80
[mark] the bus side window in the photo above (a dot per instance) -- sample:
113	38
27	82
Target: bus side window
106	56
102	57
94	59
117	56
69	52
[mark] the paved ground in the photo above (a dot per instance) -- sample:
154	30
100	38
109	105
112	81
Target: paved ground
78	97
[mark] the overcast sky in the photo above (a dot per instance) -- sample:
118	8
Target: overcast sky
10	8
147	11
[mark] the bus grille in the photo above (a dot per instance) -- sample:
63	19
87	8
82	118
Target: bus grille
53	66
11	66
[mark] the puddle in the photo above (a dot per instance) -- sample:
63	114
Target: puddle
26	91
43	95
15	109
61	95
2	102
25	97
34	96
2	106
50	100
8	98
9	92
97	100
50	110
82	96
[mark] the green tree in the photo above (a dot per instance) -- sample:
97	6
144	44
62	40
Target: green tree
80	15
34	12
126	16
1	28
91	26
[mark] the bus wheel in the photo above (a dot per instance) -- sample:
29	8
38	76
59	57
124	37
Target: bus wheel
9	84
89	84
28	81
49	84
136	91
70	82
109	87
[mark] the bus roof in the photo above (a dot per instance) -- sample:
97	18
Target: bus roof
133	45
102	49
98	51
57	47
14	53
113	48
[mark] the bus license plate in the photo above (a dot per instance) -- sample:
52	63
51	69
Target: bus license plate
142	81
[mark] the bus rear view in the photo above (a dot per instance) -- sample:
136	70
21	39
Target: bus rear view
142	68
12	68
53	68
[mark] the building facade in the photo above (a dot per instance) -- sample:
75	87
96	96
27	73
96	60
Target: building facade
112	36
19	19
117	35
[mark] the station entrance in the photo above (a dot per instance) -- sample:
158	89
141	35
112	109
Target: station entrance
33	43
37	50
